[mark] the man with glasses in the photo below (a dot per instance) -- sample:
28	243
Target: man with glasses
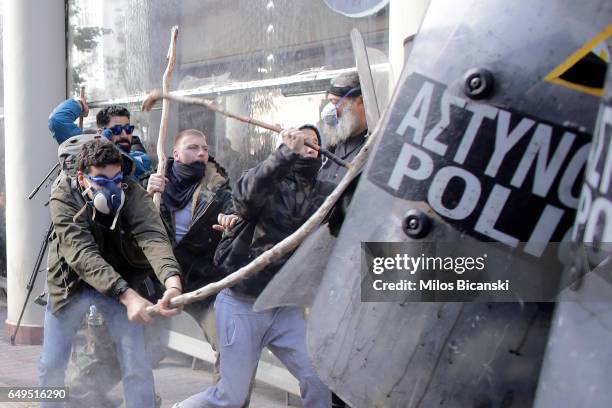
113	122
107	238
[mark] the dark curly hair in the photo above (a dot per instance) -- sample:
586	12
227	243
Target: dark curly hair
97	153
104	116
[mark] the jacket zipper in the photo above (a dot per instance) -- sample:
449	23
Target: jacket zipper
203	211
214	198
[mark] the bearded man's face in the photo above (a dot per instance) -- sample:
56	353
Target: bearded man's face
350	120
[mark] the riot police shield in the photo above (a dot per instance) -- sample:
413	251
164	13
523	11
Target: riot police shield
485	140
577	363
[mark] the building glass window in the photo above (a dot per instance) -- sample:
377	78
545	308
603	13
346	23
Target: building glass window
270	59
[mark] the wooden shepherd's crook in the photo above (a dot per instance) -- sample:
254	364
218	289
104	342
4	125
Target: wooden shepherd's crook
163	126
154	96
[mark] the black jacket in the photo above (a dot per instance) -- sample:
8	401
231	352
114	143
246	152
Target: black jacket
346	150
274	201
195	251
333	173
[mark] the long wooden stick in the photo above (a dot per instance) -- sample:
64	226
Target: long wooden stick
285	246
163	126
82	96
154	96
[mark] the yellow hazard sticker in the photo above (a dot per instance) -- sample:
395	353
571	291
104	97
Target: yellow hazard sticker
585	69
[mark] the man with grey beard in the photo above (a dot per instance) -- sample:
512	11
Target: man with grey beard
344	130
344	124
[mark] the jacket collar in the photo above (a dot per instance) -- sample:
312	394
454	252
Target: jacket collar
212	178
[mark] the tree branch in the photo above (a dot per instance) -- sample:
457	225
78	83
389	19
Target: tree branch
163	126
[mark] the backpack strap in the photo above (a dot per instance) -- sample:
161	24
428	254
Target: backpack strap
74	190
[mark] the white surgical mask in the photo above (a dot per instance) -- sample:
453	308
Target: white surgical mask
329	114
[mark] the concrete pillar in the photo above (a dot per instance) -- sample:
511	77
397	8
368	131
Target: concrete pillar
34	82
404	20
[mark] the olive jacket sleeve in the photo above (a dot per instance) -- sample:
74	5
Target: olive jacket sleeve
81	252
145	224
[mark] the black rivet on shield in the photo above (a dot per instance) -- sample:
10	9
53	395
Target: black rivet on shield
478	83
416	224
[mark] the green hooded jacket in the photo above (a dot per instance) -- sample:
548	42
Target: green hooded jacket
85	252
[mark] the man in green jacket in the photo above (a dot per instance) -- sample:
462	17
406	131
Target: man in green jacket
107	237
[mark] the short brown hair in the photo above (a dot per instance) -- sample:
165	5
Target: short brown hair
187	132
97	153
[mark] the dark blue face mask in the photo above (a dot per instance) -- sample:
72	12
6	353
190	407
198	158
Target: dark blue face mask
109	198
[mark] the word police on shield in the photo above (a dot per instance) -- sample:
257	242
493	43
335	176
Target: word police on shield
504	165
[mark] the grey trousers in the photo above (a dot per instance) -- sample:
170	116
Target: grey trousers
243	334
204	315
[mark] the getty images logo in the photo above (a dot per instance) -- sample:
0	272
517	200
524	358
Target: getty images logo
413	264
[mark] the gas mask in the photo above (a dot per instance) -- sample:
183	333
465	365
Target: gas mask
109	198
329	113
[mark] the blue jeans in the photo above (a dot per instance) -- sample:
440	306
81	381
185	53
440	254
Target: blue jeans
59	331
243	333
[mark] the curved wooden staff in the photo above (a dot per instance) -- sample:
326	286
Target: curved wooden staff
163	126
285	246
154	96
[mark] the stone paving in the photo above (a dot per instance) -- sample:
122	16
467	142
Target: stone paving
174	378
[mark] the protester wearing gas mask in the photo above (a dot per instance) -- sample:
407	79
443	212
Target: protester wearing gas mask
274	199
113	122
103	194
344	124
345	130
107	237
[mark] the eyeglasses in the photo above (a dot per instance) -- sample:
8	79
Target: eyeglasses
117	129
101	180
